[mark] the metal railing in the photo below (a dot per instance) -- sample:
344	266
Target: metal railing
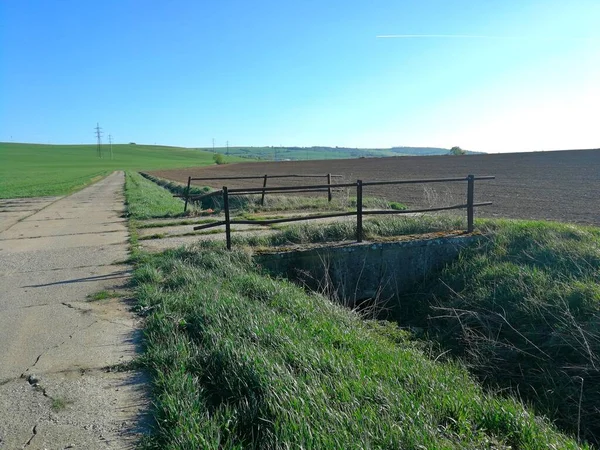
470	204
263	190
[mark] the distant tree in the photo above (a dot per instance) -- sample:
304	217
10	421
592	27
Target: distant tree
457	151
218	158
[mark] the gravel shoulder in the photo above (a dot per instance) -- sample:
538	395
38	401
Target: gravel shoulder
56	389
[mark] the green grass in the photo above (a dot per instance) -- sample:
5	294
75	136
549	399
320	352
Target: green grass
103	295
146	200
241	360
59	404
194	233
523	309
173	223
30	170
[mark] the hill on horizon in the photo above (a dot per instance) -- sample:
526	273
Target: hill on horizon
323	152
29	169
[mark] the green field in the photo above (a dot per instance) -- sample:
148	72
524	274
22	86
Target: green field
31	170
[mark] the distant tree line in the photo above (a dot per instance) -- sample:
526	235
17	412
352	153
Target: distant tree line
457	151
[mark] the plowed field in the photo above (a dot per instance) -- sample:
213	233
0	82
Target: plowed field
561	185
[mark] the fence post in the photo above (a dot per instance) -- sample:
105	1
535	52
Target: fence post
359	208
227	221
262	200
187	194
329	188
470	201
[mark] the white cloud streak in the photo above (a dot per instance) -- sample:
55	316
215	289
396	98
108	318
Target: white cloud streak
482	36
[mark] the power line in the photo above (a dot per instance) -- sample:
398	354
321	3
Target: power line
99	140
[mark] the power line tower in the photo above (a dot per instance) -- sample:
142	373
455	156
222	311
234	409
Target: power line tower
110	142
227	148
99	140
213	145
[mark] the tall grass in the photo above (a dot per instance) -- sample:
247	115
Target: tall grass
345	230
523	309
146	200
241	360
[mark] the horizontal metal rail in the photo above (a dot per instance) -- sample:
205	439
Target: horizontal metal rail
209	225
329	216
409	211
260	177
274	221
212	194
291	219
291	188
428	180
199	196
287	191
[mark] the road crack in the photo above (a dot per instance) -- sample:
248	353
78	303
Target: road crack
36	360
77	308
98	319
58	345
33	434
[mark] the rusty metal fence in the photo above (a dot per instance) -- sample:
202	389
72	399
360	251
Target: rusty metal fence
360	185
328	188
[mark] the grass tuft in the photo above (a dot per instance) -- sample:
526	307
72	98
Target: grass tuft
146	200
103	295
59	404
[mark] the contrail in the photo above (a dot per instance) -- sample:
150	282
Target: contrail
481	36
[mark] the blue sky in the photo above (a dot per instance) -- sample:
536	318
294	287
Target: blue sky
302	73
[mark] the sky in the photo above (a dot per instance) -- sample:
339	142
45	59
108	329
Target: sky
493	76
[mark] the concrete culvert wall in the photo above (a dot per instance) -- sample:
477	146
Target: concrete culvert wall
375	273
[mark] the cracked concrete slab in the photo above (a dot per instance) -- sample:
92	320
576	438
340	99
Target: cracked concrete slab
50	261
28	200
50	286
14	210
66	258
60	242
34	229
56	408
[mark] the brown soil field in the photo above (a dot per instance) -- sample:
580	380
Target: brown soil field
560	185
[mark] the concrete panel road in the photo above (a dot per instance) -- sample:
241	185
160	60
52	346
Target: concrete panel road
56	346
